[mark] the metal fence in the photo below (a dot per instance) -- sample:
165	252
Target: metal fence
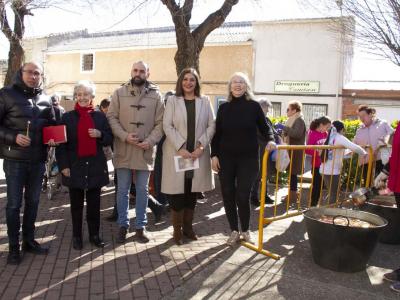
353	174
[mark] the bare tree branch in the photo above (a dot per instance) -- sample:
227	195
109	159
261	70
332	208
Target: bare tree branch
213	21
378	24
5	26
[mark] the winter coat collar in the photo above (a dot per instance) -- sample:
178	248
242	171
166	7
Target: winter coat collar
20	85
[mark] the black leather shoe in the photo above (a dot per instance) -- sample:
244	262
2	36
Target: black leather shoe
255	202
34	247
269	200
77	243
141	237
14	256
97	241
121	238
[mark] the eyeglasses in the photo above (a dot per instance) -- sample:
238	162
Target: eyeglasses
238	82
32	73
288	109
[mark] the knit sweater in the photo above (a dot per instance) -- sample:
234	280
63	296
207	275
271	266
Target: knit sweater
236	129
315	138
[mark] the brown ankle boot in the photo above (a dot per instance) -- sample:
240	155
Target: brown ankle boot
188	215
177	222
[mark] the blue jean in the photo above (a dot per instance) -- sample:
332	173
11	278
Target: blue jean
22	175
142	192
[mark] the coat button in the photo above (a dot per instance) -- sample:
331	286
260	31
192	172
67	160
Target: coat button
87	162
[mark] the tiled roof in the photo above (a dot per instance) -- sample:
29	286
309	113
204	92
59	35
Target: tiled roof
229	33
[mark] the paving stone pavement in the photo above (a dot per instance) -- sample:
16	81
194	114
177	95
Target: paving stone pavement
203	269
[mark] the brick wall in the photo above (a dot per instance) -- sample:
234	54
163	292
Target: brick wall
354	98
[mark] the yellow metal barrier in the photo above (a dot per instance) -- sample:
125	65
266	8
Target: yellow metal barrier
299	210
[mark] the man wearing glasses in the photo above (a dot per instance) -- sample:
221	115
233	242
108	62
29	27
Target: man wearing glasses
24	111
135	116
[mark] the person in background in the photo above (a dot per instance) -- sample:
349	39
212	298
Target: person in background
373	132
235	152
331	168
135	116
317	134
266	105
160	196
82	162
59	111
103	107
294	133
55	101
24	111
189	127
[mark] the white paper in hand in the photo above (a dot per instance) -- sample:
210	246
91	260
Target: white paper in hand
185	164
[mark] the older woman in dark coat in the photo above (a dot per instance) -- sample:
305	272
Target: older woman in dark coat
82	162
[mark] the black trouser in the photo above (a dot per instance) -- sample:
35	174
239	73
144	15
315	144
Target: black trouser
257	181
187	200
77	197
237	176
293	182
397	198
316	186
161	197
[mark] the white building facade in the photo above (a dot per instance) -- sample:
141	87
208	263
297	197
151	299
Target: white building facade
308	60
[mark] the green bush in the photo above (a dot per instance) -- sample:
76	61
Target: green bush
281	119
350	127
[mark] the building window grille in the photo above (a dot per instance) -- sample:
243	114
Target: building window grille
275	109
87	62
313	111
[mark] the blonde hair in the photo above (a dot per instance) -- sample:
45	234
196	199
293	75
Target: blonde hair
248	93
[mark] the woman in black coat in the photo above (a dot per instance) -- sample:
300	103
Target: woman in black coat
82	161
235	150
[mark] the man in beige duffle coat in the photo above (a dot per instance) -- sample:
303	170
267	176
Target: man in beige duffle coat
135	116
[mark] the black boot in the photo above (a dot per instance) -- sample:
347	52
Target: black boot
254	201
77	243
34	247
97	241
14	255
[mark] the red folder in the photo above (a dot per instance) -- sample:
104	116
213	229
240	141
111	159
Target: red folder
57	133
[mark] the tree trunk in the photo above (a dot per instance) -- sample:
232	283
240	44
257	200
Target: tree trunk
15	60
190	43
188	53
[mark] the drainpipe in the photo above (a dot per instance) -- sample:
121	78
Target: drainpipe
339	79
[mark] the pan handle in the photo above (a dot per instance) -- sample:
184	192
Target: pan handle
340	216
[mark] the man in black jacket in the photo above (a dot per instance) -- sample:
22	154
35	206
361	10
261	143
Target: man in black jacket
24	111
